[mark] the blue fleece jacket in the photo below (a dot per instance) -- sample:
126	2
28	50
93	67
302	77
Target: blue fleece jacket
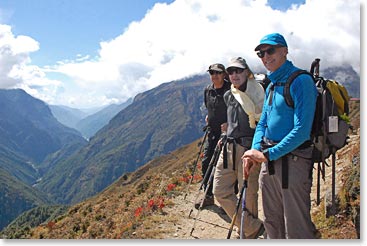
289	126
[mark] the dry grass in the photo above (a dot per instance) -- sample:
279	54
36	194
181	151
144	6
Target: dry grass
133	207
141	204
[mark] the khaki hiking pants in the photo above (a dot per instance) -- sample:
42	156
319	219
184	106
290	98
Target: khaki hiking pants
287	211
224	181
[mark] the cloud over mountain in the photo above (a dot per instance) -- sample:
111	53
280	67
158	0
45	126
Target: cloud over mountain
180	39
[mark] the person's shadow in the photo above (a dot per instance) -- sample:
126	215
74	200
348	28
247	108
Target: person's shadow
220	211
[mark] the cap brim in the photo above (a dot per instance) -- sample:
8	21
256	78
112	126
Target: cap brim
266	43
215	69
236	65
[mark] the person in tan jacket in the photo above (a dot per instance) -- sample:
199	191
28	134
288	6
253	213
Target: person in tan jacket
244	104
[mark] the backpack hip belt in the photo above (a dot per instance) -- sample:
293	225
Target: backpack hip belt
267	143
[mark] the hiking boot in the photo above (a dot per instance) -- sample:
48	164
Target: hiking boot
261	233
208	201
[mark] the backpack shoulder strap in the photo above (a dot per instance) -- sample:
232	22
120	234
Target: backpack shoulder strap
265	82
287	86
206	92
227	96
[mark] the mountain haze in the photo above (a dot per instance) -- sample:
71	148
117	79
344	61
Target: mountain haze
157	122
68	116
89	125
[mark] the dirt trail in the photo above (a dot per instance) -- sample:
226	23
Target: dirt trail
212	222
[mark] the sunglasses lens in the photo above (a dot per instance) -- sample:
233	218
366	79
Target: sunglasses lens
235	70
260	54
270	51
211	72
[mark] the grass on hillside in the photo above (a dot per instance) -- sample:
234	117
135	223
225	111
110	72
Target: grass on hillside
131	207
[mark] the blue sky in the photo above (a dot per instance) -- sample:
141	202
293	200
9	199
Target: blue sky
65	28
86	53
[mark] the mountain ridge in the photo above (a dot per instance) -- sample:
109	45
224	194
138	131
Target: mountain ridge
91	124
28	135
157	122
170	116
149	204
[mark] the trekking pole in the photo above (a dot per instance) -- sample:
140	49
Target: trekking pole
212	163
202	202
206	129
208	186
234	217
333	205
318	183
242	230
315	68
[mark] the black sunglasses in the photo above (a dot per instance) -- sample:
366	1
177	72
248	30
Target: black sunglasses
236	70
270	51
211	72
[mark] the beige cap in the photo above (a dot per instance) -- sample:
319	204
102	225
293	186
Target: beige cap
238	62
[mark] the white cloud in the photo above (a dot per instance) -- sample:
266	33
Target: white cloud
15	68
181	39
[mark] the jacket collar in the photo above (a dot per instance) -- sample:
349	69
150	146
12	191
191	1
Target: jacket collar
282	72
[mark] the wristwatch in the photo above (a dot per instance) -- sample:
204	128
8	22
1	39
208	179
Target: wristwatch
266	154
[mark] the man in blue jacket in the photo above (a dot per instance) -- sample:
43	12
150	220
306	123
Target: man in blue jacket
282	144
